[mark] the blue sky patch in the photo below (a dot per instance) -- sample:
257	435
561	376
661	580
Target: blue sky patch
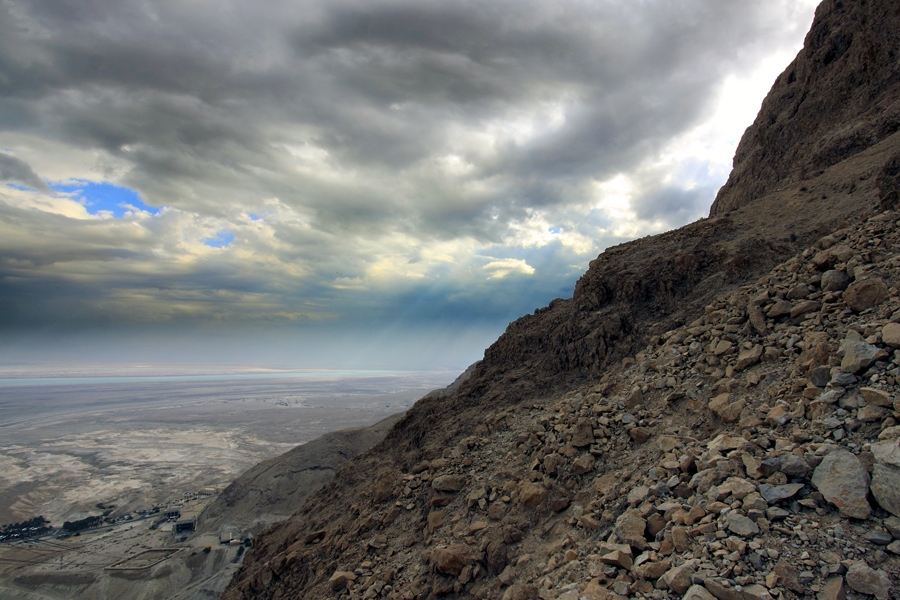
220	240
20	187
104	196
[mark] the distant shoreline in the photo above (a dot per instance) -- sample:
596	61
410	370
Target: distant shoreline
312	374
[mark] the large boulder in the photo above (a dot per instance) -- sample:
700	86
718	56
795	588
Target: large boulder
844	482
866	580
866	293
450	560
886	475
859	355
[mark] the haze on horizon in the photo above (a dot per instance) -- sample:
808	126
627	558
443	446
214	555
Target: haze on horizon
348	185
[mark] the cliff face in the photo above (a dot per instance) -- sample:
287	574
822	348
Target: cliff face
840	96
526	467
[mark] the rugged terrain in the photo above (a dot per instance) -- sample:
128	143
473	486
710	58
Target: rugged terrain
272	490
142	444
713	414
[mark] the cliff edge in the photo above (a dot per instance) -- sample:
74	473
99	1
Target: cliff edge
839	97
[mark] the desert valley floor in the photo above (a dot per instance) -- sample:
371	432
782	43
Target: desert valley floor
68	446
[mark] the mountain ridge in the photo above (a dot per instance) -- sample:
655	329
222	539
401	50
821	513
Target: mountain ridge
555	374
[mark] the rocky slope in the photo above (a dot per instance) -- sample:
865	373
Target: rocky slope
647	437
272	490
752	453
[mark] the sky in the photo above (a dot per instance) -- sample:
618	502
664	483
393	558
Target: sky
347	184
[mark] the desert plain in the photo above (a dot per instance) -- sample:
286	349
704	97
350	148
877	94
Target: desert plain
143	441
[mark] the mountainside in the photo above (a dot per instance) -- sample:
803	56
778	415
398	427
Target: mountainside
272	490
840	96
677	428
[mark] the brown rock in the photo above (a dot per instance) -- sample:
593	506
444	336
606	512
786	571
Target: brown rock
737	487
866	580
638	494
886	475
890	335
844	482
864	294
681	539
640	434
833	589
630	528
667	443
697	592
725	409
339	579
781	308
448	483
553	462
589	522
722	347
594	591
788	576
748	358
636	398
757	319
436	519
835	281
520	591
450	560
582	434
606	483
800	291
802	308
652	570
655	523
751	465
696	513
384	485
532	494
778	415
618	558
876	397
678	579
584	464
740	525
559	504
723	442
870	414
314	537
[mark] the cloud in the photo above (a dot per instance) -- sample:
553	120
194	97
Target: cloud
18	171
387	151
500	268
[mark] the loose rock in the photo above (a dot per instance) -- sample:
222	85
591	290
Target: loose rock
844	482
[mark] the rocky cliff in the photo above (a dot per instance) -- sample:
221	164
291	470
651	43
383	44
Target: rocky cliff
648	436
839	97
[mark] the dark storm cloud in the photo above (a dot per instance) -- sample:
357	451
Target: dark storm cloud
395	153
18	171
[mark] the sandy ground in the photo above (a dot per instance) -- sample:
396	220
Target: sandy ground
64	449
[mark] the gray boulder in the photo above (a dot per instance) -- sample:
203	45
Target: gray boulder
844	482
886	475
